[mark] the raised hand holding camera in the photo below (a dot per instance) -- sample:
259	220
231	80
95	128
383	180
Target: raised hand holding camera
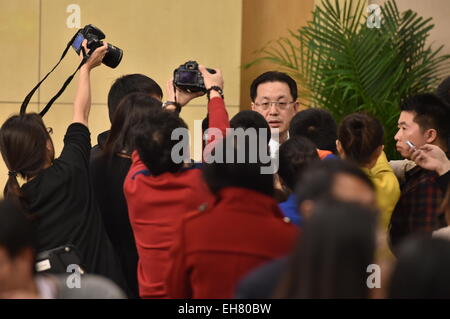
92	36
213	82
94	58
180	96
191	80
211	79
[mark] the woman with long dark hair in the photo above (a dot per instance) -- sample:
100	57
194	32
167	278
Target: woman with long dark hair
57	192
333	253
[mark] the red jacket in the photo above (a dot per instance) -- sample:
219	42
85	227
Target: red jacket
155	207
217	247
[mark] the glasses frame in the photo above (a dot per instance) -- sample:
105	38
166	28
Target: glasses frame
277	105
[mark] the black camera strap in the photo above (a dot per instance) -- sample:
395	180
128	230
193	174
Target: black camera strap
27	99
61	90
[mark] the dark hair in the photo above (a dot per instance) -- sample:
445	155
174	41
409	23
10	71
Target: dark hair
16	231
317	125
245	173
23	144
273	76
443	90
131	83
154	143
431	112
295	154
332	255
250	119
128	119
360	135
422	269
319	176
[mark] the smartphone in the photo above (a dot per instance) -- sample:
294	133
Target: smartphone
410	144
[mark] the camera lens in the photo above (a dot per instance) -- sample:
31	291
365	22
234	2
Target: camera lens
113	56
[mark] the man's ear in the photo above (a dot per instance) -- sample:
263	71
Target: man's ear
49	145
296	106
253	106
430	135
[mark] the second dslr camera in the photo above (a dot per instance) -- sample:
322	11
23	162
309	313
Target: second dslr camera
188	77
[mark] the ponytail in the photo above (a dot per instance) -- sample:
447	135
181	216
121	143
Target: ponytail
23	146
360	134
13	191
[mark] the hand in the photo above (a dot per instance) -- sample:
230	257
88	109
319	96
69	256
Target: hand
432	158
210	80
182	97
96	58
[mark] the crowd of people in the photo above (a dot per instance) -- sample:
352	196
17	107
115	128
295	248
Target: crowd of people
139	224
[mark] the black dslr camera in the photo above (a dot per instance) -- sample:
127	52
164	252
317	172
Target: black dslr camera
94	35
188	78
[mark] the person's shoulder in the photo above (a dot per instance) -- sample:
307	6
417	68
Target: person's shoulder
385	179
418	178
96	152
90	287
401	167
262	281
58	172
102	138
269	269
192	168
422	176
202	212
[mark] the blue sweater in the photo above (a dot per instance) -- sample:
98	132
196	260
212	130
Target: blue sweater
290	210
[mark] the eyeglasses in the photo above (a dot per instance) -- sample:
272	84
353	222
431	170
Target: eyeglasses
49	130
281	105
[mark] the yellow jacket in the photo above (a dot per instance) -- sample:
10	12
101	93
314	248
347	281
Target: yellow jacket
387	188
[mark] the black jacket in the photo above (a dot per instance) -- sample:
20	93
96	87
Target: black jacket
108	176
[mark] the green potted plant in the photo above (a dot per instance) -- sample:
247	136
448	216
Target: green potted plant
345	64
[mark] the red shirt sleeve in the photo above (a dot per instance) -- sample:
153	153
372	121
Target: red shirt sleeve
218	116
218	122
